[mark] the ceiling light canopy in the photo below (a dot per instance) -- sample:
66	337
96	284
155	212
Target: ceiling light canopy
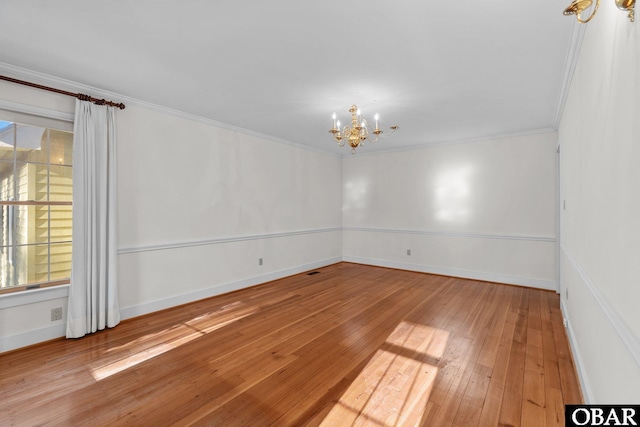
578	6
359	131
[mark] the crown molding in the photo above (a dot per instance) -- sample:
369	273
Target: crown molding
495	137
571	60
71	86
60	83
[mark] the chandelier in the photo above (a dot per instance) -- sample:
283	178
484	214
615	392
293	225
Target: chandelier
359	132
578	6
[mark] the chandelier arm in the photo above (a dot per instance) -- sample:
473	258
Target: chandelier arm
595	9
364	133
372	136
384	134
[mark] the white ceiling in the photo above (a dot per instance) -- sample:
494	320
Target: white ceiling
442	71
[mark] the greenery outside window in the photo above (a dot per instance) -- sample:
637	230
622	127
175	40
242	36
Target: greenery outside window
35	206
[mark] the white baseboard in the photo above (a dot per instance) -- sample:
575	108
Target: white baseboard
28	338
587	393
59	329
457	272
56	331
150	307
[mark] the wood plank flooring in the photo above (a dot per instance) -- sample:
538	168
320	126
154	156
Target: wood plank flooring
352	345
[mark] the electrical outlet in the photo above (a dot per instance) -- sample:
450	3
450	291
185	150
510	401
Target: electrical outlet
259	261
408	251
566	294
56	314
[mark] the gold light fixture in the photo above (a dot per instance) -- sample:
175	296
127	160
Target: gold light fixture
359	132
578	6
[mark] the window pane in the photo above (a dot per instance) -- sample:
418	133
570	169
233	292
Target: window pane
25	231
60	184
38	269
7	137
23	265
35	239
6	153
28	264
39	222
7	270
25	181
6	180
60	147
36	224
37	181
60	224
3	226
29	144
60	261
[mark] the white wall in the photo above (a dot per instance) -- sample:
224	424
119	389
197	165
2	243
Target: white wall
482	209
209	202
600	150
199	204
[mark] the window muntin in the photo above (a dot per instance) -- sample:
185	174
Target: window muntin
35	205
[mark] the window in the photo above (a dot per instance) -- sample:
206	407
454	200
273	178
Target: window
35	204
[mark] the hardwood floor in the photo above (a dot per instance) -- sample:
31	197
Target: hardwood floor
351	345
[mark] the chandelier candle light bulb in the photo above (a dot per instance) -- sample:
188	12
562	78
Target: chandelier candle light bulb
359	132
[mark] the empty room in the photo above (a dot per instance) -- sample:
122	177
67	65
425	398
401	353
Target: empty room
319	214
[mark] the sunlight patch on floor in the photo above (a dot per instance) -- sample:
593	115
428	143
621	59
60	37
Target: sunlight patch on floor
182	334
219	315
394	387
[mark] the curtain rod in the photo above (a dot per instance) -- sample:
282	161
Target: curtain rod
80	96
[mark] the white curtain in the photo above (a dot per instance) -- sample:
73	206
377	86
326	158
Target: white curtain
93	296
